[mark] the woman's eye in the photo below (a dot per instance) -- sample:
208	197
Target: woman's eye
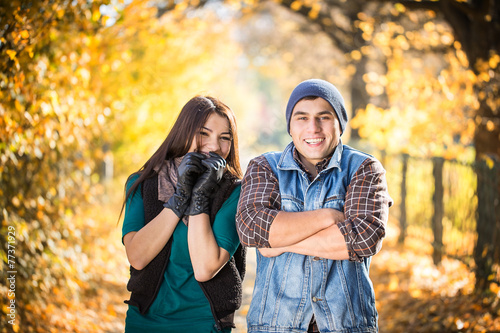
225	138
203	133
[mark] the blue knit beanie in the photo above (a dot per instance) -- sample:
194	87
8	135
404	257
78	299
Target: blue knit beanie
318	88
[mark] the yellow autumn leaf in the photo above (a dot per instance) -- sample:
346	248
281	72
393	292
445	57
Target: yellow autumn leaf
111	310
96	15
181	6
296	5
494	60
105	19
314	12
356	55
394	283
19	106
12	54
60	13
29	49
484	76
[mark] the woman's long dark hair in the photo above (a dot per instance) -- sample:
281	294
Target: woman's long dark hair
188	124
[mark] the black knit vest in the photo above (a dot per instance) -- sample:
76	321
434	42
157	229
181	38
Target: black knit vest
223	291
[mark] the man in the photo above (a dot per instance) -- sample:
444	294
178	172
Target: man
317	213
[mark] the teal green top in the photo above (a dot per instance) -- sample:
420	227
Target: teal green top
180	305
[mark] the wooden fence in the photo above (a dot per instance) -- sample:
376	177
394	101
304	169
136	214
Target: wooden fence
453	205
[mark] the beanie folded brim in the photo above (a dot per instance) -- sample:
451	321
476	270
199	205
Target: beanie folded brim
318	88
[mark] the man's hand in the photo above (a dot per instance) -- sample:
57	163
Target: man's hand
272	252
326	243
289	228
338	216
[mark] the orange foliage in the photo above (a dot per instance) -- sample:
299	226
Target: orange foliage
49	146
71	79
431	94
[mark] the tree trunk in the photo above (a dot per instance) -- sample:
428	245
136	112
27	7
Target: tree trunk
487	142
476	25
359	96
486	249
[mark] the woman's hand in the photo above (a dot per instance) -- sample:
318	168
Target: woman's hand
206	255
207	184
188	172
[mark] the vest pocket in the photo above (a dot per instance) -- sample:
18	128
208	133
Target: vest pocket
291	204
335	201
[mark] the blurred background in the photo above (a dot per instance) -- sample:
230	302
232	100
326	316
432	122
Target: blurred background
89	90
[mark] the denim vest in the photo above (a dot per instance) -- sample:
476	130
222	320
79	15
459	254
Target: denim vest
290	288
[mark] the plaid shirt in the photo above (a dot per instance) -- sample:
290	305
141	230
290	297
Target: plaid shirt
366	207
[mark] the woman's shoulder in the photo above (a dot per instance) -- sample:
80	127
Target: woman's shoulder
132	179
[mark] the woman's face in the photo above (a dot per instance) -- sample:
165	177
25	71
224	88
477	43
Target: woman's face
215	136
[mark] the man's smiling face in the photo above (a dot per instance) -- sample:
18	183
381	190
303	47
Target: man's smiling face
315	130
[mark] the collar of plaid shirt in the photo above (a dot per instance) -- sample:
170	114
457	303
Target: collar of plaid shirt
320	166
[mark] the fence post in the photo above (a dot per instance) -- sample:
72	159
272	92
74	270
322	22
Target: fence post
402	209
437	218
487	223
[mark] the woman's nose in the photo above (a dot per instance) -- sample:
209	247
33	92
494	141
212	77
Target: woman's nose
213	145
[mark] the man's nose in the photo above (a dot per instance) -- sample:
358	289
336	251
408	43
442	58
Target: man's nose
314	125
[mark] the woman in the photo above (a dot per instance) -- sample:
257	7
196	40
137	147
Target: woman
180	238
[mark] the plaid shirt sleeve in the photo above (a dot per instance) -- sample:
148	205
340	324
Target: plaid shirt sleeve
260	202
366	210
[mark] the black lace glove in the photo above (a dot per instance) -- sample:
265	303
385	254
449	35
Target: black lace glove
207	185
188	172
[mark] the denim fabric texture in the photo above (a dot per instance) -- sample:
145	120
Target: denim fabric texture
290	288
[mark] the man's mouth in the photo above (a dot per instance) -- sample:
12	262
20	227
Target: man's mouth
314	141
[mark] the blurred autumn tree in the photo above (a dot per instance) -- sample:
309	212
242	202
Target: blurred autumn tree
74	84
160	62
50	129
366	30
425	79
476	26
396	59
470	81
